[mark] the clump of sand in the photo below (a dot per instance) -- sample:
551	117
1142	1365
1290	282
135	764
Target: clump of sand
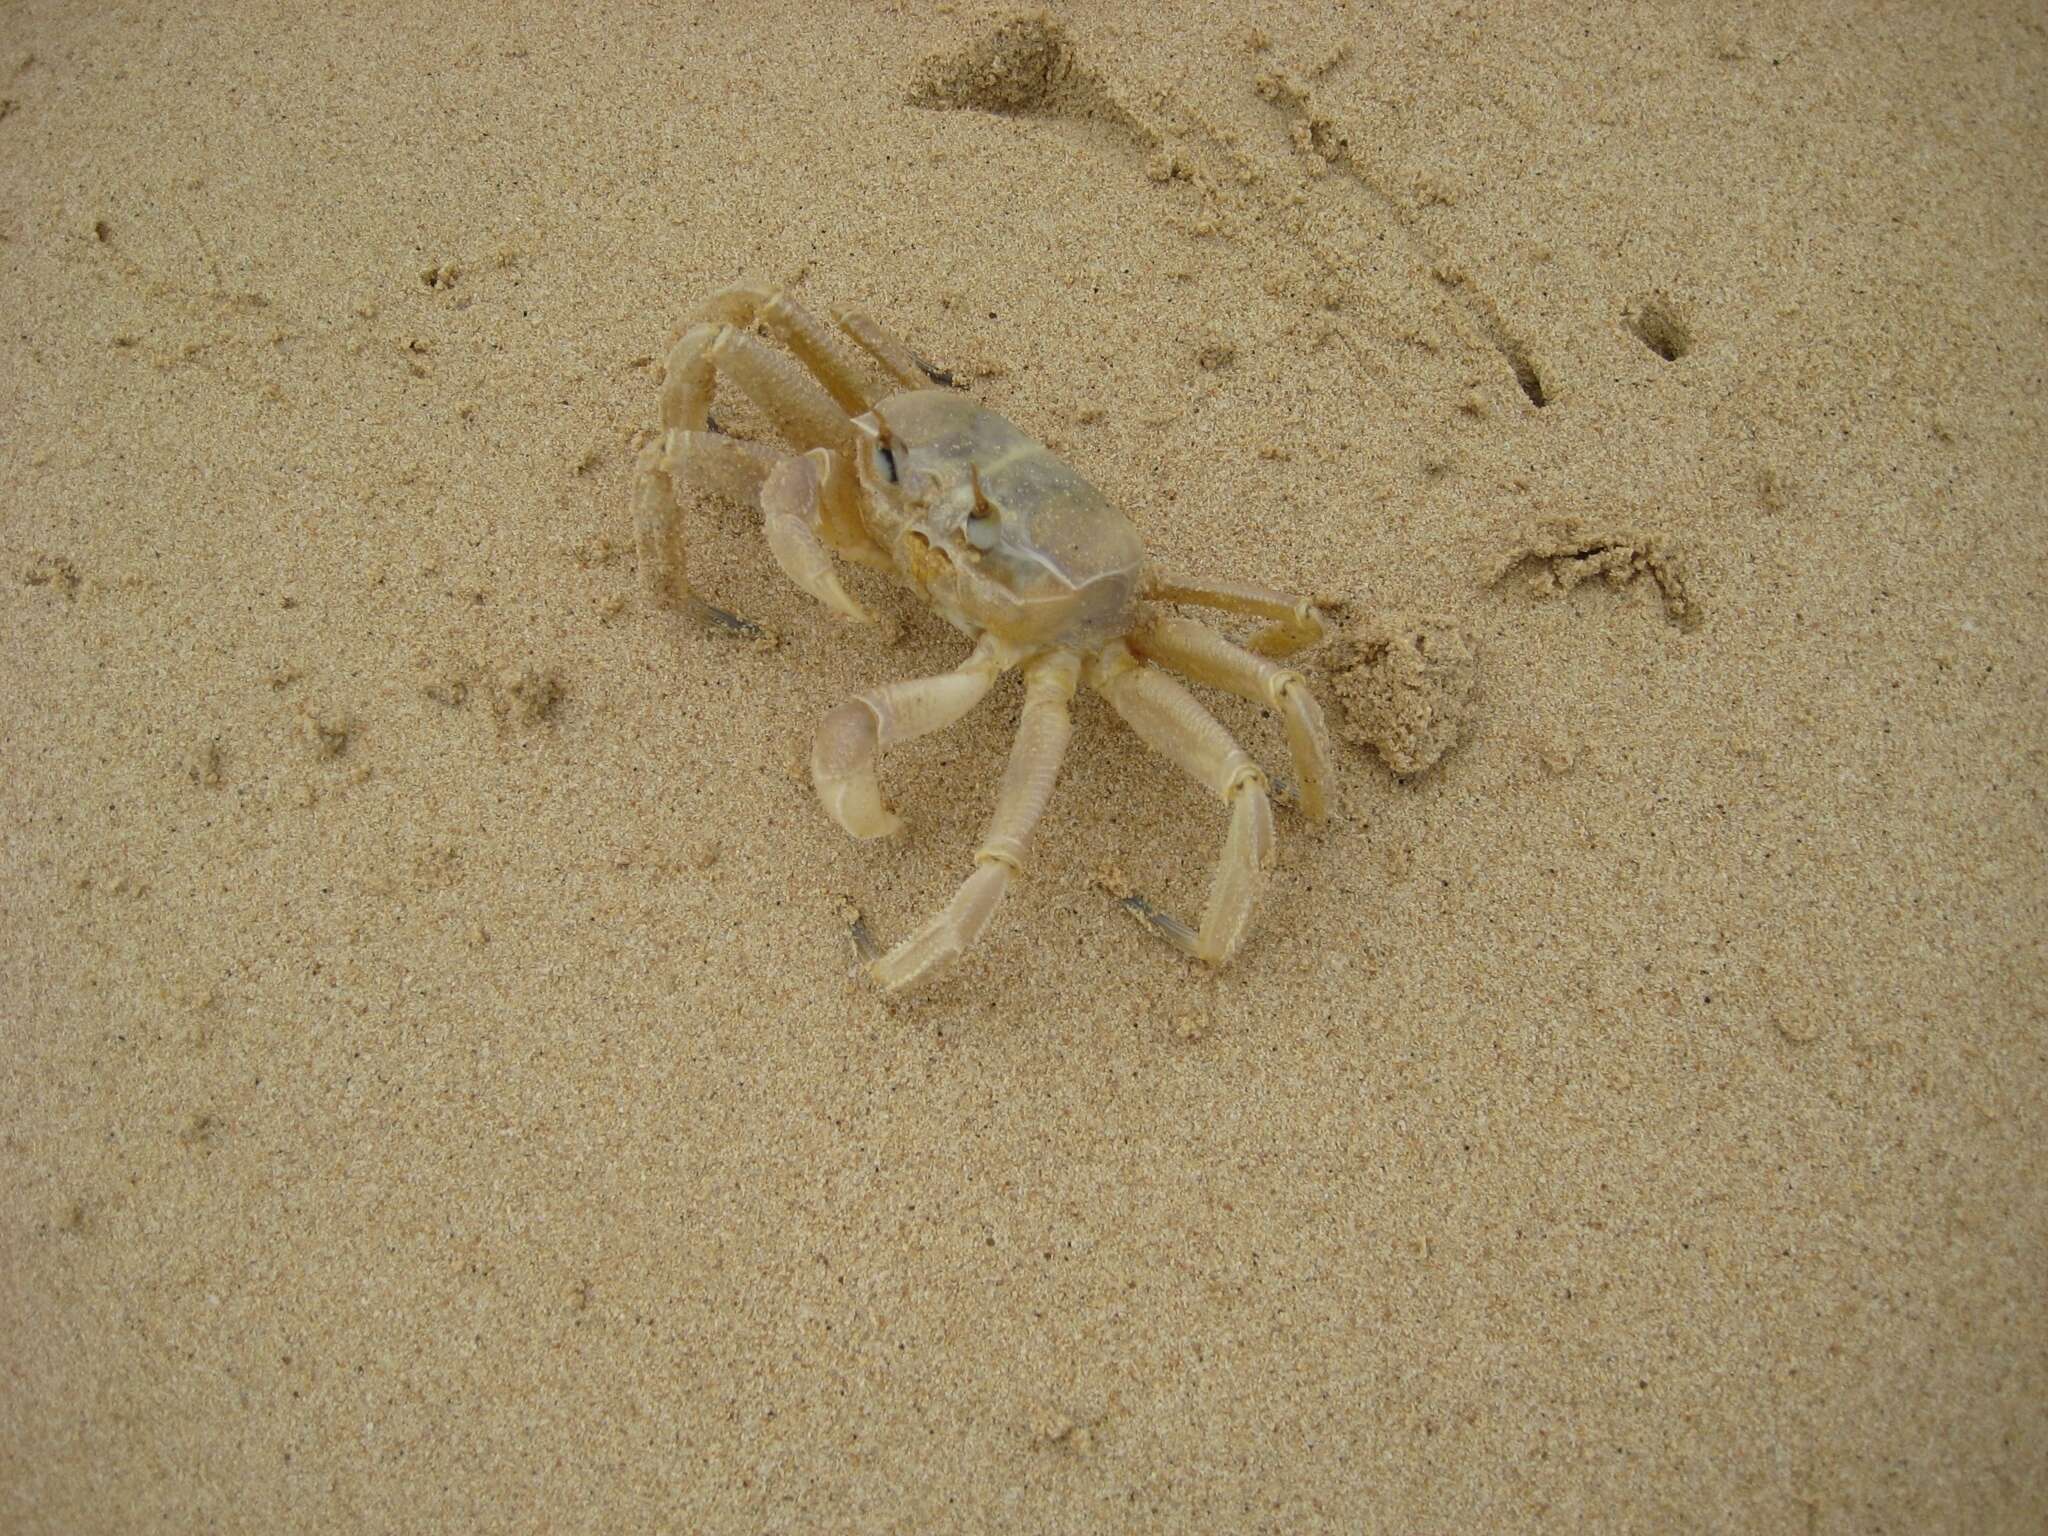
1563	552
1025	67
1403	685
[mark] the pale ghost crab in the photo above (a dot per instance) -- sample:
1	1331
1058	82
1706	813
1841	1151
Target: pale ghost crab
1012	547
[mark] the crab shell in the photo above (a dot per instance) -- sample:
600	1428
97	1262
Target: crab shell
999	535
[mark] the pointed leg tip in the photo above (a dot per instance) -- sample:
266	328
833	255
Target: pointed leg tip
890	971
896	972
1162	923
865	946
714	617
889	986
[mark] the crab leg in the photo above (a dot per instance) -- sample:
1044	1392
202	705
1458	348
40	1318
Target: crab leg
796	328
658	527
719	463
1035	759
1295	623
851	737
1173	722
901	364
687	378
798	405
1196	651
723	465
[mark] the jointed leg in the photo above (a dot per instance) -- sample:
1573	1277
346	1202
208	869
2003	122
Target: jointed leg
717	463
799	330
901	364
1196	651
658	527
1173	722
1295	623
798	406
850	737
725	466
1027	784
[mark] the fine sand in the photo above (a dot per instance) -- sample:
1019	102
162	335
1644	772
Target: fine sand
436	1090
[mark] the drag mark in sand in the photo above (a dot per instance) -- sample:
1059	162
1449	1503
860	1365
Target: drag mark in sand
1314	130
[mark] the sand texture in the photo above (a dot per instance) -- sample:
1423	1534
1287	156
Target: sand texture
437	1092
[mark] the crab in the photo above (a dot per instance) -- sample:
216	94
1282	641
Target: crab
1011	546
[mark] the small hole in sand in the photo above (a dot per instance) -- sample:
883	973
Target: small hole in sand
1525	372
1656	325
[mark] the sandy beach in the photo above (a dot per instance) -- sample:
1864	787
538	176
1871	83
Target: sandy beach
438	1091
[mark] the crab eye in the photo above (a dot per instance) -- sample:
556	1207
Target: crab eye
887	459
